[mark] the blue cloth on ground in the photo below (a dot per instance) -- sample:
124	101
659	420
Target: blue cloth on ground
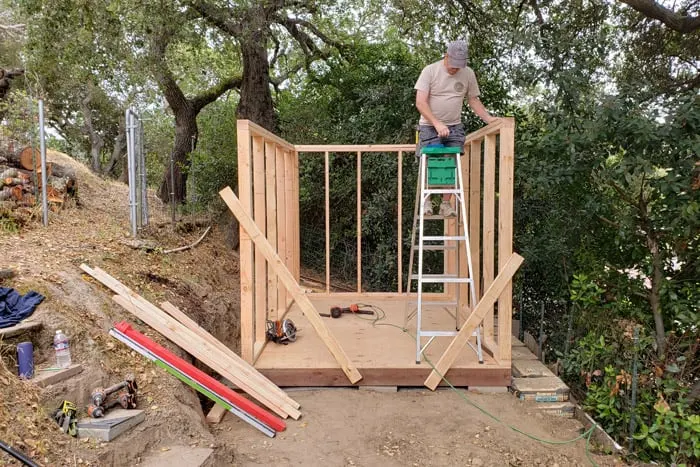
15	307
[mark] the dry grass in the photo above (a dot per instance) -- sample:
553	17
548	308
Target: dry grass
24	424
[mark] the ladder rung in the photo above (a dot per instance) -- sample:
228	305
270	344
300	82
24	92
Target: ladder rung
437	278
436	247
441	238
442	333
438	333
441	191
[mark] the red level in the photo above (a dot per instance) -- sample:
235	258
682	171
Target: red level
202	378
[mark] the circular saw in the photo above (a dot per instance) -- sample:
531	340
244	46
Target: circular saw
281	332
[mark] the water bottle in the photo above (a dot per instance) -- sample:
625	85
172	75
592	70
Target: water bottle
62	346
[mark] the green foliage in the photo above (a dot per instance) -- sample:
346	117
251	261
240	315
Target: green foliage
76	73
8	223
214	163
11	36
673	437
665	424
366	97
20	118
158	142
599	371
584	292
607	402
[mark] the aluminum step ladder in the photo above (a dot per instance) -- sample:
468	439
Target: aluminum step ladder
431	243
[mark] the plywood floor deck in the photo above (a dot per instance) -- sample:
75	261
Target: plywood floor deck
382	351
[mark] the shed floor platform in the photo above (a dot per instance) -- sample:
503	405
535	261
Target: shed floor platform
382	352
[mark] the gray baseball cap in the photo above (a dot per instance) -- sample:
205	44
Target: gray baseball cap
457	52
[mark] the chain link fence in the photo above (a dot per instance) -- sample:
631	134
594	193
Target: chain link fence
146	169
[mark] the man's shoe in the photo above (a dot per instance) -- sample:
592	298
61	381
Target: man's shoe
428	207
446	210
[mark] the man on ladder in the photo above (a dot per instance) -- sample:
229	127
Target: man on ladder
441	89
440	92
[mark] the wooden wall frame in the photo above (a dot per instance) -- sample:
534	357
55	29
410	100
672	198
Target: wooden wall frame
268	189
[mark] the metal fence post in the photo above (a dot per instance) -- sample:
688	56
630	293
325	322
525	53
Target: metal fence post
541	339
172	186
633	419
144	176
42	142
32	145
131	169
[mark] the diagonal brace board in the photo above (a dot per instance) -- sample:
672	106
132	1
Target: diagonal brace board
290	284
476	316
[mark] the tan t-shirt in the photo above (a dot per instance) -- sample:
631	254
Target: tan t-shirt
446	92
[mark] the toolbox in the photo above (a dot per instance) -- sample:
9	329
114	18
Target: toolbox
441	164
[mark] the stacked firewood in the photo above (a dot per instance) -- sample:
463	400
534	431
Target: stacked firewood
20	179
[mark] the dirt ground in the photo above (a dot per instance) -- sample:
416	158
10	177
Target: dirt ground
413	427
338	426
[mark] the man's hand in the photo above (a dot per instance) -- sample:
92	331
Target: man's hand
424	109
442	130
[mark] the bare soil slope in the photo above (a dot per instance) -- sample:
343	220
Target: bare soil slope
95	230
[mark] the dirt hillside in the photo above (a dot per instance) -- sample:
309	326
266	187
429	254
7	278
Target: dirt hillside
339	426
95	230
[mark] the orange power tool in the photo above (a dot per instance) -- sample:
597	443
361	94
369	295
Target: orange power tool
337	312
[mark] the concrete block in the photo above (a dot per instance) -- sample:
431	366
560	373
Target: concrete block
529	369
115	423
178	456
560	409
522	353
545	389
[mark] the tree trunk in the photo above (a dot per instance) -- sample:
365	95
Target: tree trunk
6	77
655	293
115	166
96	140
256	98
173	188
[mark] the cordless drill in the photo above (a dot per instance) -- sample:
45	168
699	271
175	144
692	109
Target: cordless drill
337	312
126	397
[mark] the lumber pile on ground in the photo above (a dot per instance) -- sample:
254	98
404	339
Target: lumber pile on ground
21	179
189	336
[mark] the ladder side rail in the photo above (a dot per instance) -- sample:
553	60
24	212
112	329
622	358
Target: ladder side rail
472	289
465	230
421	220
411	257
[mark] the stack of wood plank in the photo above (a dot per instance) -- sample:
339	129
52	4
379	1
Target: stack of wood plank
198	380
20	178
188	335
